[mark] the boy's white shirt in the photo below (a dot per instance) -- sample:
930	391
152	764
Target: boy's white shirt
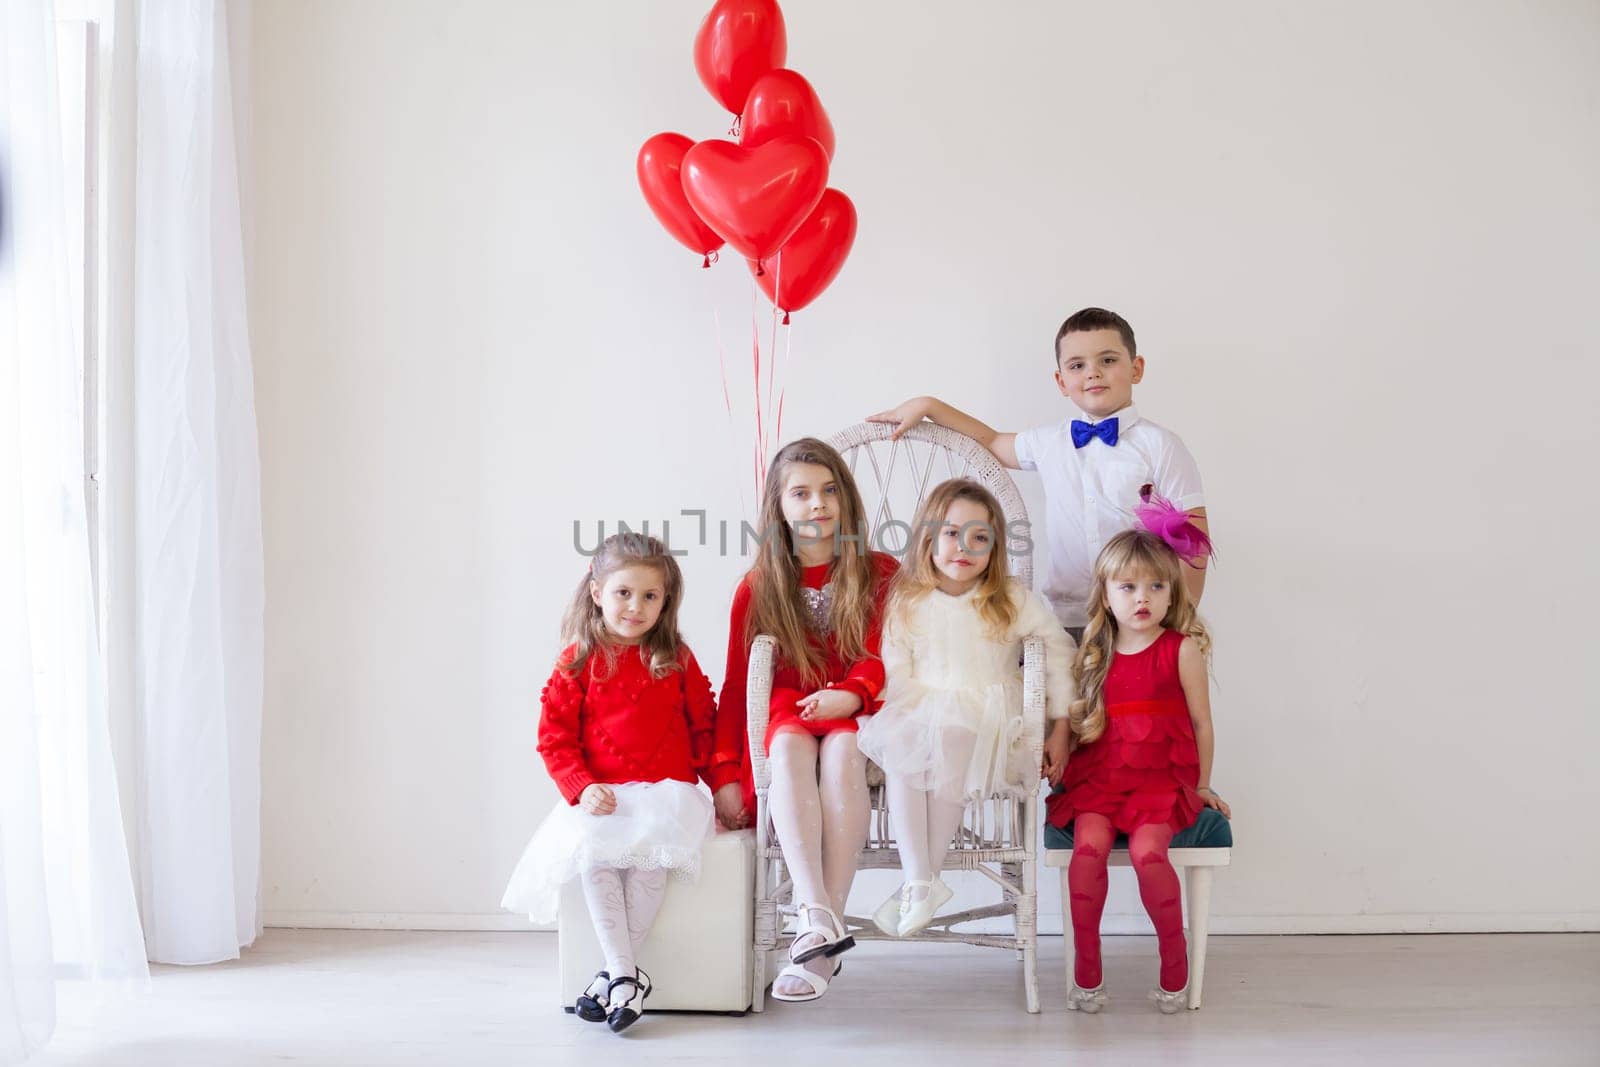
1090	494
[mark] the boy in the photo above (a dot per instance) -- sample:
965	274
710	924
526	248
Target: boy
1093	466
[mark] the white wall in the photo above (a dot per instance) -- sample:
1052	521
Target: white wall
1358	241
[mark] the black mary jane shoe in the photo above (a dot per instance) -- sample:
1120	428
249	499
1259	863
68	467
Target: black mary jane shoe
593	1004
625	1015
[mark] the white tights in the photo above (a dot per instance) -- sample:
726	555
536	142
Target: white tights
622	906
923	822
820	810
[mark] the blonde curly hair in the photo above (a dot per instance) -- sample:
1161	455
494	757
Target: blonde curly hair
1130	554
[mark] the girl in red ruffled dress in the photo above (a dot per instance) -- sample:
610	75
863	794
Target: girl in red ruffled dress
1140	742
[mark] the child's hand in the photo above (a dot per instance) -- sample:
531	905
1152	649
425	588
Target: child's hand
1211	799
905	416
828	704
1056	748
597	799
729	802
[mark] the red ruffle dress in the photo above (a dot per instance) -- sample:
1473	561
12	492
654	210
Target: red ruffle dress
1145	767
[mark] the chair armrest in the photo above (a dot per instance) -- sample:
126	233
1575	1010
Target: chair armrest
1033	697
758	708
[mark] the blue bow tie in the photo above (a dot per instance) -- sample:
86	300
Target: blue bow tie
1083	432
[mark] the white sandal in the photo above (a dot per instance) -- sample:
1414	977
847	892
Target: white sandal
830	946
818	983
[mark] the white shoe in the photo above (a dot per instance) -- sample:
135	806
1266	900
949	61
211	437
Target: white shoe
887	917
1170	1003
1088	1001
832	939
915	914
817	982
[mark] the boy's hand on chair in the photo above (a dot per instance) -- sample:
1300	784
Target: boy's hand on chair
597	799
1056	747
729	802
1211	799
828	704
905	416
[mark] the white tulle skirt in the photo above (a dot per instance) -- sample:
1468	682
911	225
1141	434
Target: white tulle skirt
656	825
959	744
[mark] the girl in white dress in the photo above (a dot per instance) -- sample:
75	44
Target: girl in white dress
950	729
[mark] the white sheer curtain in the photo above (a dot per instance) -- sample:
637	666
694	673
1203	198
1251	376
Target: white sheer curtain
194	496
66	894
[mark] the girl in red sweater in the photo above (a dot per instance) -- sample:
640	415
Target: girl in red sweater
625	729
818	592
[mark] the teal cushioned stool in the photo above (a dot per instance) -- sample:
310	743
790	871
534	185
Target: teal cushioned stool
1210	830
1197	850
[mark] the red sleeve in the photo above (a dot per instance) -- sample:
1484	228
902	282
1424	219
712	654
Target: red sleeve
561	735
728	754
865	676
701	709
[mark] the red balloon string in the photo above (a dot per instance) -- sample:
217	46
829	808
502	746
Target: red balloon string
761	437
734	130
788	343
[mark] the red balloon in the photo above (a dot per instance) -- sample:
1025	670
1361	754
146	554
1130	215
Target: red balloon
810	260
755	197
783	102
660	169
739	41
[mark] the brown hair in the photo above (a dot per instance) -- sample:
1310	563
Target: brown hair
777	608
584	628
1131	553
1095	319
919	577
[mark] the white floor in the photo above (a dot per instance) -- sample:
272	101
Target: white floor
379	997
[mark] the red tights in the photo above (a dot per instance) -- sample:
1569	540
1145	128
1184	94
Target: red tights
1093	836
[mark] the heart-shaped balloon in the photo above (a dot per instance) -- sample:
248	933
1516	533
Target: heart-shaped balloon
660	169
783	102
810	260
755	198
739	41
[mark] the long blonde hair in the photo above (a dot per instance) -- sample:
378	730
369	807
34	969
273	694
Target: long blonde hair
777	607
1137	554
919	577
583	627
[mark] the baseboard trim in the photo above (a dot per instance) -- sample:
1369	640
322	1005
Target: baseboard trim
1492	923
373	920
1485	923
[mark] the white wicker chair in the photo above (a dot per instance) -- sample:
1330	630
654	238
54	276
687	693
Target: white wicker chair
999	835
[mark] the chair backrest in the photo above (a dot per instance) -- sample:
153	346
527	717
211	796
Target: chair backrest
894	478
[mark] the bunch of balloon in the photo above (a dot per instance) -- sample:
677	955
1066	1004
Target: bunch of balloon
765	193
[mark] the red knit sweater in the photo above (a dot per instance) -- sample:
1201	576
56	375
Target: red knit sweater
628	726
864	677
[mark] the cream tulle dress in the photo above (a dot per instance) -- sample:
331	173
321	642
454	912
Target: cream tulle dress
954	688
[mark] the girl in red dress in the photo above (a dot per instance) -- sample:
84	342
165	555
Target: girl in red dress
625	728
818	592
1140	742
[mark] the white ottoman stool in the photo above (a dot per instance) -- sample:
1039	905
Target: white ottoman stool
700	951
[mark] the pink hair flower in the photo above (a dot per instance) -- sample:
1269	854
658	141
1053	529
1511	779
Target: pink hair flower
1173	525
